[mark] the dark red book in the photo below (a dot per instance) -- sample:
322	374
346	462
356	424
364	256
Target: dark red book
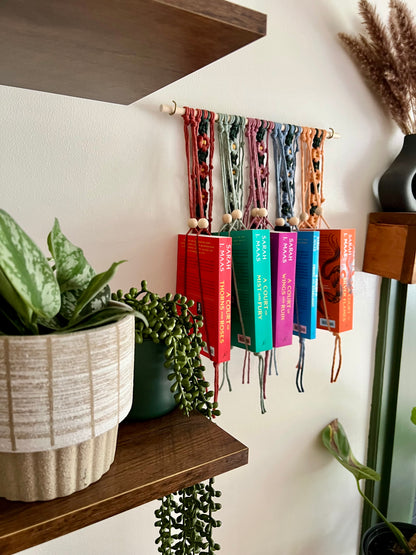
204	275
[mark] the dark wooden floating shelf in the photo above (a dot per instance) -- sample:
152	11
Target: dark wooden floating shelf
153	458
117	50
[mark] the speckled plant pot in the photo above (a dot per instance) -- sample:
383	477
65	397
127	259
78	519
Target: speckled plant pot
62	397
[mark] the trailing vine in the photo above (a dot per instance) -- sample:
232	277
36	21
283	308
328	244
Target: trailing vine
186	518
192	517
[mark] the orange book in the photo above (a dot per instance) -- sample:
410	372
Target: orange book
336	276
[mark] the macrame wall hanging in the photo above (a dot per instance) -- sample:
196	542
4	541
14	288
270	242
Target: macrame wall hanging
204	260
251	308
285	149
199	149
283	241
242	221
336	248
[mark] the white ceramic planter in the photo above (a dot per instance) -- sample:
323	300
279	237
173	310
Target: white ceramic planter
62	397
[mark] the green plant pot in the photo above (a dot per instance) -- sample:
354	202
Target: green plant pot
152	396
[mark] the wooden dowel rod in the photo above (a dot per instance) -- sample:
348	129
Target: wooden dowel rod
176	110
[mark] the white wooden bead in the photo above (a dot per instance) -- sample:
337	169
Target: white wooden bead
280	222
192	223
262	212
203	223
255	212
236	214
303	216
294	221
319	211
227	218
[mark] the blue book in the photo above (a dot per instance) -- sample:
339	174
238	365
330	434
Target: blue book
306	284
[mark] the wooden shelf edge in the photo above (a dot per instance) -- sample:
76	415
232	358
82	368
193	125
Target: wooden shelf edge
153	459
117	51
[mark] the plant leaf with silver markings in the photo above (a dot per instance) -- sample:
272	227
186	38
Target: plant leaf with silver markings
27	271
97	283
72	268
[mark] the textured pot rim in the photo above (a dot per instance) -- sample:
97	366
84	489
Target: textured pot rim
58	390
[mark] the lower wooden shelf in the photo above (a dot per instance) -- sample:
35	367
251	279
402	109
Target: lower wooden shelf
153	458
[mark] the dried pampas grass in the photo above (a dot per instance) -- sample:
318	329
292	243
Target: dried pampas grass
387	59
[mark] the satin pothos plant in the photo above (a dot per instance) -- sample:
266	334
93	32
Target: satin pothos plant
59	295
336	441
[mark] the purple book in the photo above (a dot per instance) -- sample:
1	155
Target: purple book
283	271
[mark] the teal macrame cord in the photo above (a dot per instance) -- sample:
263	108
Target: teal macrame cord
285	148
231	151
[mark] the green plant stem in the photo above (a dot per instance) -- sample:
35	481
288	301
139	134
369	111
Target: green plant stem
398	534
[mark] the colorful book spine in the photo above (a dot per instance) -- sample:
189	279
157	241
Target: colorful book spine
251	313
283	271
336	264
306	284
204	275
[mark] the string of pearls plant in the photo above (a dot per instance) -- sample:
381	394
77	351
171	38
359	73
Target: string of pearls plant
186	518
170	322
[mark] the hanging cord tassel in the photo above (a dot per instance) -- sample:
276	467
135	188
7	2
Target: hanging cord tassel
337	344
225	376
216	381
267	359
337	348
261	367
302	349
300	365
273	362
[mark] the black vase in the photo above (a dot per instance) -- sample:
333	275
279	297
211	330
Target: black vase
397	186
152	396
379	539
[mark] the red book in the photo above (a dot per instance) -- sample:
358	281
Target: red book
204	275
336	267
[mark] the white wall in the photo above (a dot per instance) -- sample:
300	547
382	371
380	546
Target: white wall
115	177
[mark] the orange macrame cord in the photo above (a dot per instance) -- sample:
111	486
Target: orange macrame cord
312	166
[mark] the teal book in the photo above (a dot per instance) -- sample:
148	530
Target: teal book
251	307
306	284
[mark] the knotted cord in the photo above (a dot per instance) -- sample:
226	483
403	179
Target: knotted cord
285	148
199	148
312	156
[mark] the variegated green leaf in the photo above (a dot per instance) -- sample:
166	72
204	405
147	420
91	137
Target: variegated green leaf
68	303
72	268
336	441
70	300
97	283
27	271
